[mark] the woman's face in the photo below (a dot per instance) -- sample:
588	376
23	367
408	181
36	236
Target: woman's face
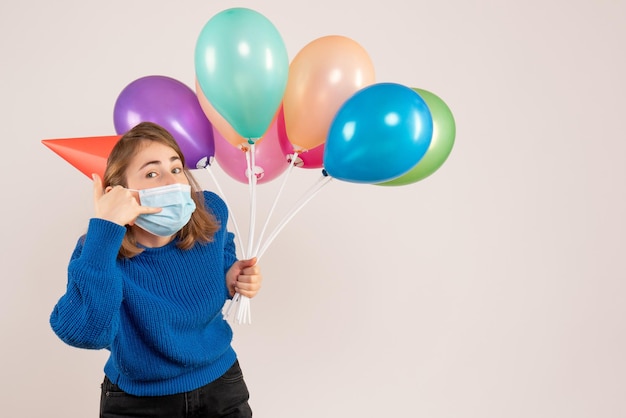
155	165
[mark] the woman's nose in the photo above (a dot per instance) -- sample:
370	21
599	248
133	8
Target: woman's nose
169	178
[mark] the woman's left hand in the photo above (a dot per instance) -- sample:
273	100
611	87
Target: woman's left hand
244	277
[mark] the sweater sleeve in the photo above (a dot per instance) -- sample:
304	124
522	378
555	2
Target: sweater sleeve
87	315
220	210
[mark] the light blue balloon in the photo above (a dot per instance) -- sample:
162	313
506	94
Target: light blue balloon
242	65
378	134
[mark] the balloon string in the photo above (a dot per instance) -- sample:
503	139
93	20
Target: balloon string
237	298
249	174
303	201
221	192
252	198
243	312
278	195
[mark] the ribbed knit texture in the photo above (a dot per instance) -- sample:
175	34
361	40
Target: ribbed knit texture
159	313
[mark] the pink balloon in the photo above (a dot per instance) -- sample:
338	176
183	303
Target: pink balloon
313	158
270	161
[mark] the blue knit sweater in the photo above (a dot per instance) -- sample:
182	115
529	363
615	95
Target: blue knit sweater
158	313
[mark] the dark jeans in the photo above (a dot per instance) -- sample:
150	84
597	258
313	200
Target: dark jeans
225	397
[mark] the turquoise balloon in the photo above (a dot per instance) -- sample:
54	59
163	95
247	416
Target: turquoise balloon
241	65
378	134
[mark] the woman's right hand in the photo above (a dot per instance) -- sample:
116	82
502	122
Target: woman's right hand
117	204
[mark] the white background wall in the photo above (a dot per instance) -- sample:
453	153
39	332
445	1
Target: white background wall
494	288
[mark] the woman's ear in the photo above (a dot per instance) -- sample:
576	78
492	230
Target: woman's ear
108	189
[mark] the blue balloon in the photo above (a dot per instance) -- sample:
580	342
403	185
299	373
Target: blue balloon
378	134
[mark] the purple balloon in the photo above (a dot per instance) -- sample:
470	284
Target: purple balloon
171	104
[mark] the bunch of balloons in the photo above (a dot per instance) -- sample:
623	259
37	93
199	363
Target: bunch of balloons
324	108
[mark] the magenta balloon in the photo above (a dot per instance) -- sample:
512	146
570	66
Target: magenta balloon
313	158
308	159
270	162
173	105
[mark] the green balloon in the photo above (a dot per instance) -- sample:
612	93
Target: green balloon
444	132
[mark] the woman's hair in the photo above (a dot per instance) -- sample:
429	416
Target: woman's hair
202	225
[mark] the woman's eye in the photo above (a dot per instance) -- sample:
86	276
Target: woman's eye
177	170
151	174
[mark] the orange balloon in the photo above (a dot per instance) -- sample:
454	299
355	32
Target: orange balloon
219	122
322	76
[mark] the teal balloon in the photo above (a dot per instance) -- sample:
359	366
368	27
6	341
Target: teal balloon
444	133
378	134
241	65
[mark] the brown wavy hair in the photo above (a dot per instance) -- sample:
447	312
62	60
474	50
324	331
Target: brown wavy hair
202	225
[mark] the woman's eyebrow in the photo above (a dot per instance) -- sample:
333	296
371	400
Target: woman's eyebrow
157	162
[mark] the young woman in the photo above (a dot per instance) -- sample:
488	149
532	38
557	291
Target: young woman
148	281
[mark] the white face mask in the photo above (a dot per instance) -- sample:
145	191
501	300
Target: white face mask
176	208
